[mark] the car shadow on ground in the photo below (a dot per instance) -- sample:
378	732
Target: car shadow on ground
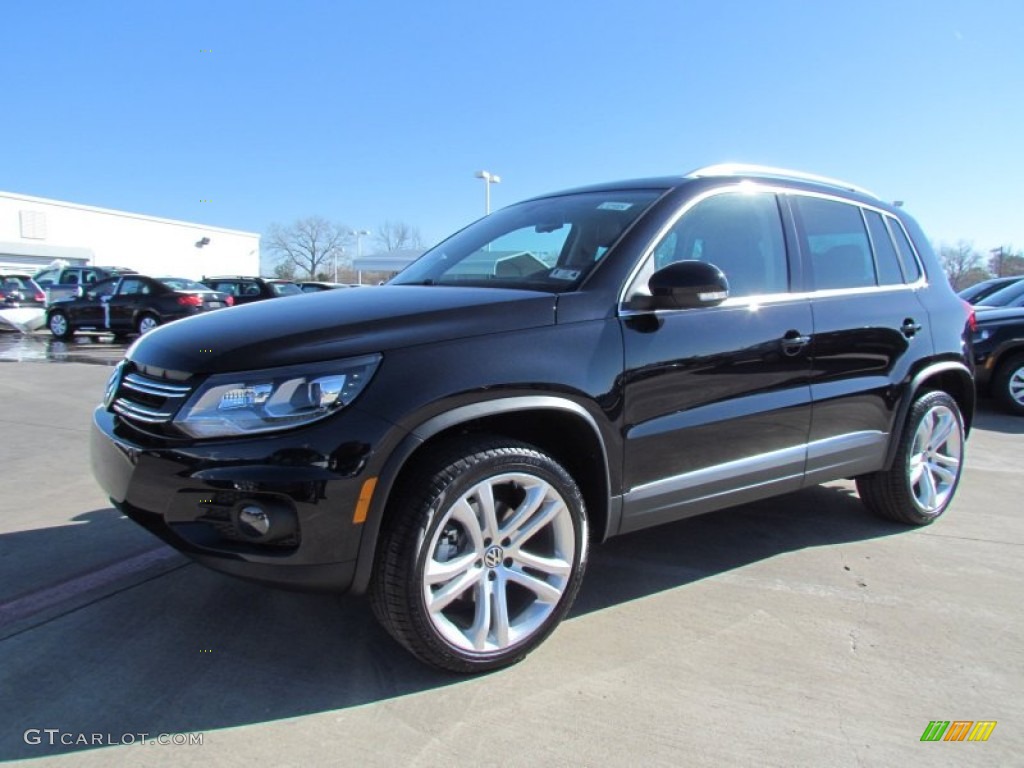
196	651
992	418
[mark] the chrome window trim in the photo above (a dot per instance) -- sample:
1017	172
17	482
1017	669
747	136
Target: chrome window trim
779	298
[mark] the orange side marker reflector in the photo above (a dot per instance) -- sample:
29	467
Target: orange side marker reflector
365	496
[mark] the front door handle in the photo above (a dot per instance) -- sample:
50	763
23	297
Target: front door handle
794	342
910	327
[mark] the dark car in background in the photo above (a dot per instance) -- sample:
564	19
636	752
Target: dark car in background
245	290
574	367
975	294
130	304
999	355
315	286
18	289
1009	296
63	282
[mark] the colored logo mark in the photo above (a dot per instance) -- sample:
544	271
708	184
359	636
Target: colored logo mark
958	730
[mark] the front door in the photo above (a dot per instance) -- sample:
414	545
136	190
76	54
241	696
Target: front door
717	400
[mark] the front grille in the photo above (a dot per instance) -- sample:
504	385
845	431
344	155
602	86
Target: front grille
143	400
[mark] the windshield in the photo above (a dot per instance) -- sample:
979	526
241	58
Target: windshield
285	289
547	245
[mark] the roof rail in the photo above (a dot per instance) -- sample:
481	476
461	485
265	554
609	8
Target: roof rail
742	169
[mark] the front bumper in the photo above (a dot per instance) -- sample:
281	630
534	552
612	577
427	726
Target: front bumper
191	494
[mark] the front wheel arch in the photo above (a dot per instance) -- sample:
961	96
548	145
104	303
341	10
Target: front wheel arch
513	418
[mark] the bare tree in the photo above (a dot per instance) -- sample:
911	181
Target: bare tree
397	236
311	246
961	262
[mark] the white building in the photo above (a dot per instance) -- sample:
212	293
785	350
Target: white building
35	231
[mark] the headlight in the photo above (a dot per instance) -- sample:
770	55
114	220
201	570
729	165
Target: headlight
263	401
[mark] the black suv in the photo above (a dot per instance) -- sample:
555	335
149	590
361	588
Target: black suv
577	366
999	355
245	290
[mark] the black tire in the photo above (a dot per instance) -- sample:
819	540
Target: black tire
146	322
1008	385
437	521
60	326
926	470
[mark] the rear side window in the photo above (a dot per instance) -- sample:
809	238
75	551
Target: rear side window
889	272
835	239
132	286
911	269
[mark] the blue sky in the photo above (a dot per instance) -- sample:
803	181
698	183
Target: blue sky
362	112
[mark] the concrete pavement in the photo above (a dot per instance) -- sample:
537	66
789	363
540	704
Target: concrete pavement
799	631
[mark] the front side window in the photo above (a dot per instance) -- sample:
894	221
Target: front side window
548	245
102	288
738	232
834	238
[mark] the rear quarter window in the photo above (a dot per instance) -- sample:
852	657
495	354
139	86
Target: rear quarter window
911	269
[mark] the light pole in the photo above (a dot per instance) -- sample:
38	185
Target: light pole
358	234
336	250
489	178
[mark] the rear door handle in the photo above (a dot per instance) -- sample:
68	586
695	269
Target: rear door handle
910	327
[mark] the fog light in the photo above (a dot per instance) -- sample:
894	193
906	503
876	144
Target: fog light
265	520
254	521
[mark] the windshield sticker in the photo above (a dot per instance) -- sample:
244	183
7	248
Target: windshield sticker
565	274
614	206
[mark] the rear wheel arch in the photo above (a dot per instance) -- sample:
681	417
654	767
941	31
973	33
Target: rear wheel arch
556	426
954	379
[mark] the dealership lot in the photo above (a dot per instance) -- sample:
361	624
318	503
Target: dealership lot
797	631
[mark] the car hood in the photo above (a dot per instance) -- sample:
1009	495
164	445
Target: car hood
335	324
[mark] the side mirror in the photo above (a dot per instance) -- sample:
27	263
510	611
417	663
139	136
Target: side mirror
80	291
687	285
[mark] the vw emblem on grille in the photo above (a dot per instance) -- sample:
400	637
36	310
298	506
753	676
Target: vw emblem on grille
493	557
112	384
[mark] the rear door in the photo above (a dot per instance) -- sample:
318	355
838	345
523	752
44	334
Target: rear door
869	328
717	400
